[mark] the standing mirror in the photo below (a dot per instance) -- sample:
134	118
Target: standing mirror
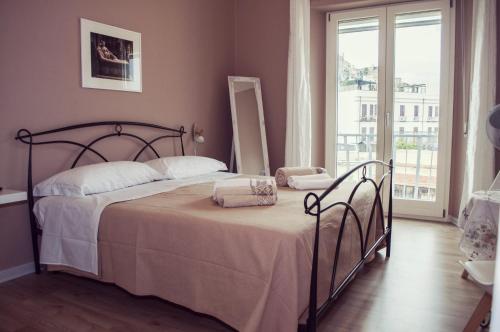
249	131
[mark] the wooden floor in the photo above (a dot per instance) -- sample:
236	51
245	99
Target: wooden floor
418	289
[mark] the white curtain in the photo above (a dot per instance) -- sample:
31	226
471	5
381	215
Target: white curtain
480	154
298	117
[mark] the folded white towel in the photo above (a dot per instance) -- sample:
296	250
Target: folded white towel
232	186
245	192
316	181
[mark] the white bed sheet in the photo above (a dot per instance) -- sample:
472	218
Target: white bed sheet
70	224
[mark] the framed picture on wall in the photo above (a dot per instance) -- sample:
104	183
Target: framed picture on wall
111	57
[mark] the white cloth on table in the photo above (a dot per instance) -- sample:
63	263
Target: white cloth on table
479	219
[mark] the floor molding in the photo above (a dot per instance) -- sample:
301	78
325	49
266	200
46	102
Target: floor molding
16	272
454	220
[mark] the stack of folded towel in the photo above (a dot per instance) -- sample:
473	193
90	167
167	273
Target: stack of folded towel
283	173
245	192
303	178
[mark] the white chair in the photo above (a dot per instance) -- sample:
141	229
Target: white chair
482	273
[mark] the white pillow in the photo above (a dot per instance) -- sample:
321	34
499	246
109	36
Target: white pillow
185	166
96	178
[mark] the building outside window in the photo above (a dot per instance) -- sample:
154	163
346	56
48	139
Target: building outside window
398	190
363	133
359	114
423	193
410	191
363	111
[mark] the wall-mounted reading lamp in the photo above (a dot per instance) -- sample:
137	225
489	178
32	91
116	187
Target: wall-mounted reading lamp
197	134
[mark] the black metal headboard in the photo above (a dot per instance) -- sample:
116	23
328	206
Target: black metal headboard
27	137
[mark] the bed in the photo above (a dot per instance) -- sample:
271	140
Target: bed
274	268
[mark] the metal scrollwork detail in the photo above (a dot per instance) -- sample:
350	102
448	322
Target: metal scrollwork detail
363	172
118	129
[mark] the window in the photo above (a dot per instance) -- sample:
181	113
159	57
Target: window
436	111
393	56
410	191
363	133
430	112
372	135
423	193
398	190
363	111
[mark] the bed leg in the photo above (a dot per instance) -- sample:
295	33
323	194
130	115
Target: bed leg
389	214
36	253
388	245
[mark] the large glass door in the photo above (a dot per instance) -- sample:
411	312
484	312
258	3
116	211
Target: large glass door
418	95
388	93
359	72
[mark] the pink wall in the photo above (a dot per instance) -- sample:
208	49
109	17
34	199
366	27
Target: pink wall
318	82
262	51
188	52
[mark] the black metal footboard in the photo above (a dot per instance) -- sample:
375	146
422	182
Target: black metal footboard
312	205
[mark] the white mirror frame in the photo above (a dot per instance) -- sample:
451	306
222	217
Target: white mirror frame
236	140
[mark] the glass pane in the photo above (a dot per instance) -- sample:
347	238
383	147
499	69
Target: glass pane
416	104
357	104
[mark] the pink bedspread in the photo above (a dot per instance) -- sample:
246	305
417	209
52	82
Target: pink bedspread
249	267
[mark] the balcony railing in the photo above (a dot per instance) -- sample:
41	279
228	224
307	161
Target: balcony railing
415	157
370	118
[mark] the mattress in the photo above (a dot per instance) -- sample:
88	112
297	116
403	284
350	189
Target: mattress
249	267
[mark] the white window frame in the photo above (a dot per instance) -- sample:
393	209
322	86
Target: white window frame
331	74
386	15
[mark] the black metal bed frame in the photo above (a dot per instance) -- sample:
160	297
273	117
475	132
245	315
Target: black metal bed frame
312	203
312	206
27	137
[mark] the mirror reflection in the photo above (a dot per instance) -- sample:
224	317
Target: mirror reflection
250	146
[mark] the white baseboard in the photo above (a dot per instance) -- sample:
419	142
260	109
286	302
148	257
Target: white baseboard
16	272
454	220
422	218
